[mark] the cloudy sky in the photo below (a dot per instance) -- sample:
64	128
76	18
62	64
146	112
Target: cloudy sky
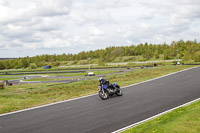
36	27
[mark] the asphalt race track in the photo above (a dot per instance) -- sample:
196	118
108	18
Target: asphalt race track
93	115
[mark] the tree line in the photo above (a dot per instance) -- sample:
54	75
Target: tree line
188	50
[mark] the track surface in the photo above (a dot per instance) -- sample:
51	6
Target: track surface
93	115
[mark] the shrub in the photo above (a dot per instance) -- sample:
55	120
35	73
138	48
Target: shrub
33	66
1	86
57	63
197	56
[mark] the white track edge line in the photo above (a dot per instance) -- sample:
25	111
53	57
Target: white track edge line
155	116
9	113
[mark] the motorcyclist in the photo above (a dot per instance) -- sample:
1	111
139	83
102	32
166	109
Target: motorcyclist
105	82
106	89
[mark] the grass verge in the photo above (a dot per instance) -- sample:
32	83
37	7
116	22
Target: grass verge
22	96
9	78
182	120
69	76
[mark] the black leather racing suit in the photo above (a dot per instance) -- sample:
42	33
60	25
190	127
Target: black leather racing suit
106	82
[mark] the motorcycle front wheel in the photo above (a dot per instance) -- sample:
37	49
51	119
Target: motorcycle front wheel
104	95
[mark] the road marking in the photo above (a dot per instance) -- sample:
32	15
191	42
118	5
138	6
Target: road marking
89	95
153	117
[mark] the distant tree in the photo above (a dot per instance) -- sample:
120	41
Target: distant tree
101	61
7	64
166	55
2	65
33	66
156	54
197	56
24	63
187	51
57	63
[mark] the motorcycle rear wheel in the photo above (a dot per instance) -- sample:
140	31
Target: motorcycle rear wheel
119	92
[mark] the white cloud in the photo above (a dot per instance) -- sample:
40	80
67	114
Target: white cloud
94	31
71	26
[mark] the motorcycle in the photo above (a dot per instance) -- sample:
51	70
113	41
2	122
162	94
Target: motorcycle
106	91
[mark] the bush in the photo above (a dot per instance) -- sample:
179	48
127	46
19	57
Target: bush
144	59
33	66
132	64
75	62
1	86
197	56
101	63
57	63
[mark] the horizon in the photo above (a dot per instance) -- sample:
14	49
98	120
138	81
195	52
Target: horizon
99	49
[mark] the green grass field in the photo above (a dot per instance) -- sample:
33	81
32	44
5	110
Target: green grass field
23	96
182	120
70	75
9	78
